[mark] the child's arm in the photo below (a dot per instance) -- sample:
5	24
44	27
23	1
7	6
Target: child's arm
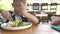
6	14
32	18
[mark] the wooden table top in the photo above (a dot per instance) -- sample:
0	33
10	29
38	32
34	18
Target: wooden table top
35	29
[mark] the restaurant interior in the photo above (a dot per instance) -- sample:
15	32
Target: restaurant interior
46	11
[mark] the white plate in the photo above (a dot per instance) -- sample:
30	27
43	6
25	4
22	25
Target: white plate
15	28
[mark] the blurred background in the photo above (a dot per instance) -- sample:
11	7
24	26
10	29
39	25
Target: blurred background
35	5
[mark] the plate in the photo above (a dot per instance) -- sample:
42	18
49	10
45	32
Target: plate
15	28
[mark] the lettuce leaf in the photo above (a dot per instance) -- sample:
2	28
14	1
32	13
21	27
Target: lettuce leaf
16	22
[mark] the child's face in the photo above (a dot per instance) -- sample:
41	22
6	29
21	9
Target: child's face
17	3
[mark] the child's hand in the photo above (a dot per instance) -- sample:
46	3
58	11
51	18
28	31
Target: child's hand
6	15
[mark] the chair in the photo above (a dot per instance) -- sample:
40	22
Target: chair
53	7
35	6
43	17
55	20
44	7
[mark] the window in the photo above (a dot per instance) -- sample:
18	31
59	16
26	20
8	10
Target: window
6	4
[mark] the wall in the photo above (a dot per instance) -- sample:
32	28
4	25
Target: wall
58	10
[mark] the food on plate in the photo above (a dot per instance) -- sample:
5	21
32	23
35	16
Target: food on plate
10	24
25	24
13	23
16	23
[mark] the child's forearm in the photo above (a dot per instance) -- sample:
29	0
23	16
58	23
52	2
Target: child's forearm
32	18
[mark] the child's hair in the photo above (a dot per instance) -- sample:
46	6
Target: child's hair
20	1
23	1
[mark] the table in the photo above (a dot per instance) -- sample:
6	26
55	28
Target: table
56	15
42	16
50	14
35	29
34	12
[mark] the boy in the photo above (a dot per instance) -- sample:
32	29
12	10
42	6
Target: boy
20	10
